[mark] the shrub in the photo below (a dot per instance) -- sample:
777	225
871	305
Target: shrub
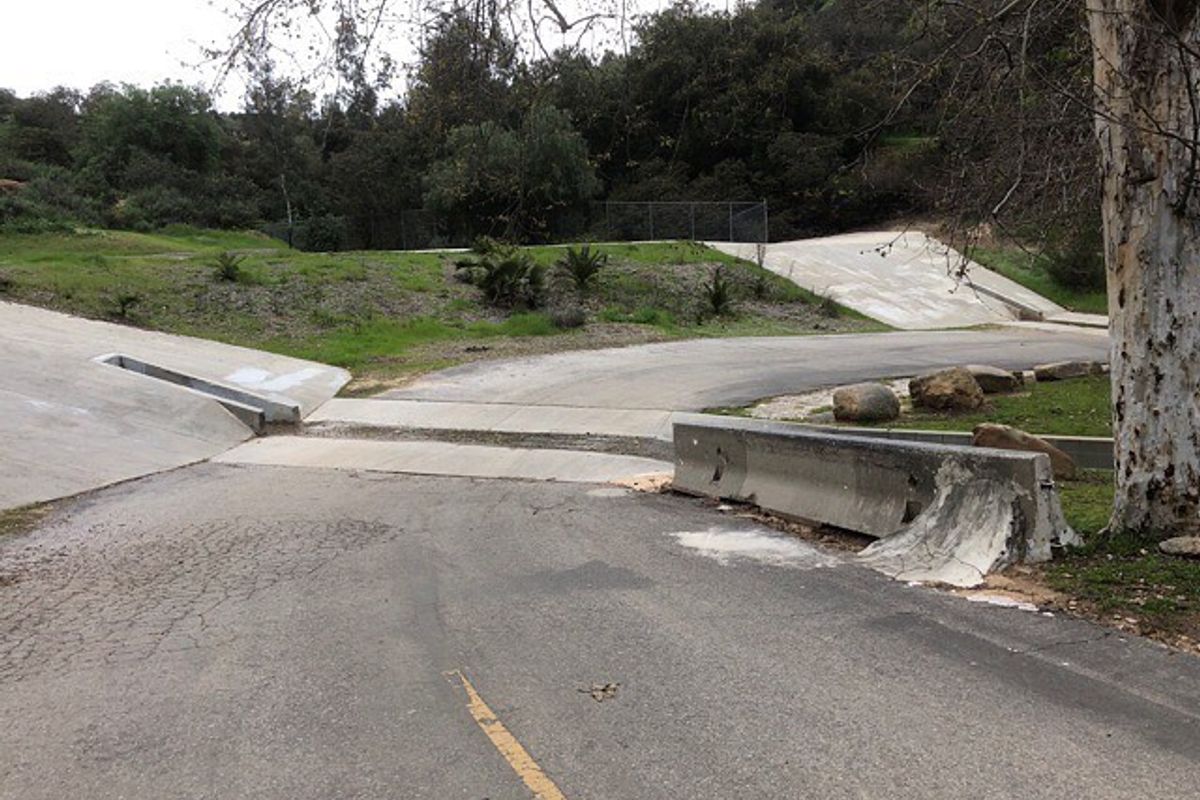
508	277
123	302
827	305
326	234
1079	262
581	267
6	283
718	294
566	318
229	266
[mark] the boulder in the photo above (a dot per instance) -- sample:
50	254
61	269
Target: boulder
951	389
1185	546
994	380
1063	370
865	402
1004	437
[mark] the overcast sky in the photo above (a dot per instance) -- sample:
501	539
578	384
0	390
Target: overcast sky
78	43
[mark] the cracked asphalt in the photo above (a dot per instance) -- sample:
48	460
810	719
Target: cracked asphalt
258	632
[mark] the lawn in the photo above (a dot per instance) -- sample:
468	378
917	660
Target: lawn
1077	407
388	315
1030	272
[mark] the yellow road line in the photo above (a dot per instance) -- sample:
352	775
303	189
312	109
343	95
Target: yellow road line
517	756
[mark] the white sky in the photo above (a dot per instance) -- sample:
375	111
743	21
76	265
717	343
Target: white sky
79	43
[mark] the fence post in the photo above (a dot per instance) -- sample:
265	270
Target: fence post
692	216
607	222
766	223
731	222
650	206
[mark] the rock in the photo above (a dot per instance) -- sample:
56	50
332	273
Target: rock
1186	546
994	380
951	389
1062	370
865	402
988	434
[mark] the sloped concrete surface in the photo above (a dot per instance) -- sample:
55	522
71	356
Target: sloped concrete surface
442	458
69	423
434	415
904	278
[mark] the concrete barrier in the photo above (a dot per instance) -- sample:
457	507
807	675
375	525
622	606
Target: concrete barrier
941	513
1088	452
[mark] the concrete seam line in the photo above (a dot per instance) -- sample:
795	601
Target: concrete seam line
517	756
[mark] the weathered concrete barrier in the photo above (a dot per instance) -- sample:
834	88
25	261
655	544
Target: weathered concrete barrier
941	513
1088	452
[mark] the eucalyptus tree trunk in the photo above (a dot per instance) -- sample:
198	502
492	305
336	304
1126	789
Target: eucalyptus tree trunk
1146	54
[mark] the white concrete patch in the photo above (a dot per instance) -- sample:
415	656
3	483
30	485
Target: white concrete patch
755	544
1004	601
261	379
609	491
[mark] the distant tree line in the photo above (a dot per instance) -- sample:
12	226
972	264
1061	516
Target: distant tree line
791	101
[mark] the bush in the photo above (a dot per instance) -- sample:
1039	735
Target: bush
325	234
566	318
229	267
149	209
508	277
718	294
581	267
123	302
1079	262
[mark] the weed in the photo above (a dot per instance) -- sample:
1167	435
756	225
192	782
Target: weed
123	303
718	294
568	318
229	266
582	266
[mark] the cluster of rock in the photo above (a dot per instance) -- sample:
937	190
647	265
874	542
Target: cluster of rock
959	389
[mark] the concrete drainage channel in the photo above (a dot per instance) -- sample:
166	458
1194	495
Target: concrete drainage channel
940	513
255	411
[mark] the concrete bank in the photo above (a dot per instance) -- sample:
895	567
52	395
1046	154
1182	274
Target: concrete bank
72	420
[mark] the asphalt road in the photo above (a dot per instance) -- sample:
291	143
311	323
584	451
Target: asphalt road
697	374
254	632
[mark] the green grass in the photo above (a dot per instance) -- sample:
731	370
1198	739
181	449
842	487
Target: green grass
1077	407
372	311
1031	273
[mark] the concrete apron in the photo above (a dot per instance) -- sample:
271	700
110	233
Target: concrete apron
444	458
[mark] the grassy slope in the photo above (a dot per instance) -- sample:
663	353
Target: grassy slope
1031	273
380	314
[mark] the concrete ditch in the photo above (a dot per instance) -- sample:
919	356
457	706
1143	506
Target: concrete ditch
940	513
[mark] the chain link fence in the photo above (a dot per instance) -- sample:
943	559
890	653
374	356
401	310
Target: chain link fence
698	221
612	221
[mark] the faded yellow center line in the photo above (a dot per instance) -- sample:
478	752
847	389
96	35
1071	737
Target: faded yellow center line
517	756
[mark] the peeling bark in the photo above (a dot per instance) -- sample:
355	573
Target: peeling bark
1148	123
